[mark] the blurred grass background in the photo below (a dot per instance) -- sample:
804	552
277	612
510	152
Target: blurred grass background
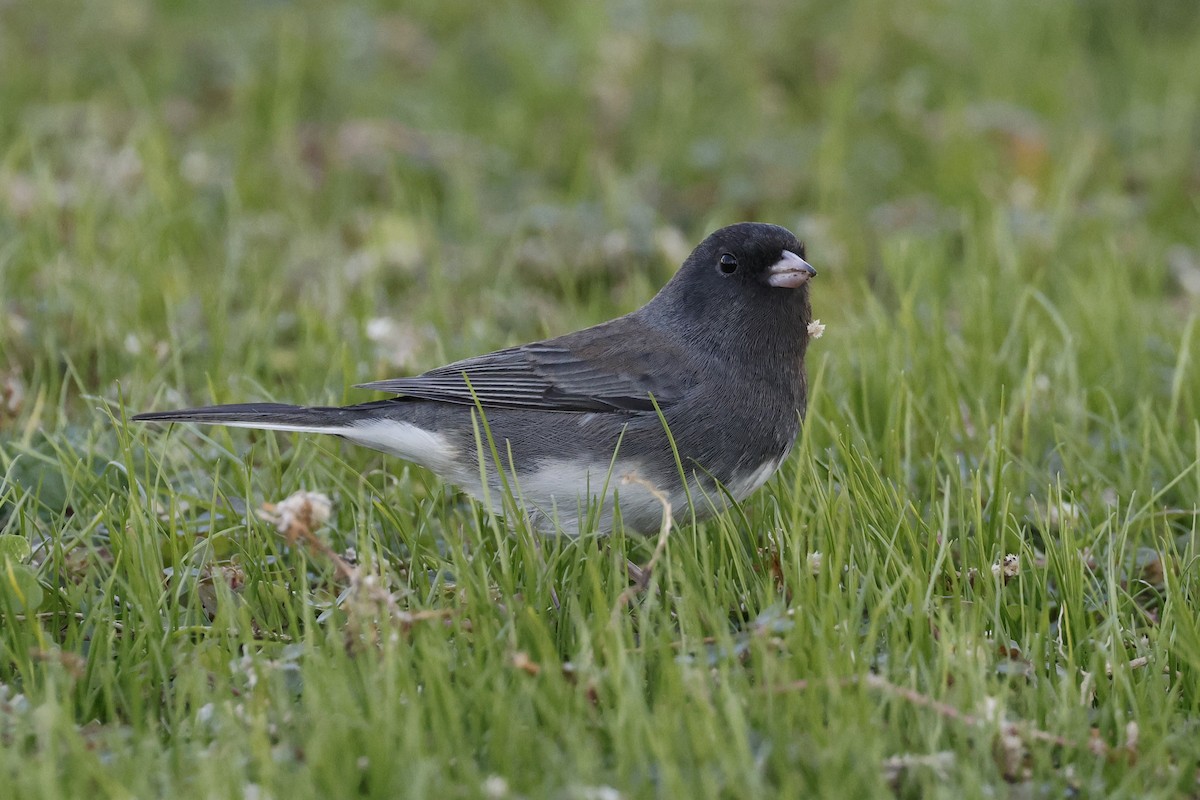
236	201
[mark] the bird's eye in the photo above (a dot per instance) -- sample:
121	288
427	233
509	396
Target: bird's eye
728	263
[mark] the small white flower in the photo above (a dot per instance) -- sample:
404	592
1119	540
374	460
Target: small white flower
495	787
310	509
1008	567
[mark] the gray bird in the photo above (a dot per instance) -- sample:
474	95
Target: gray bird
717	355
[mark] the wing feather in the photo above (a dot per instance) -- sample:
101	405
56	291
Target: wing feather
612	367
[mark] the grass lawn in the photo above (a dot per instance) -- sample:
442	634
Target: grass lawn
978	574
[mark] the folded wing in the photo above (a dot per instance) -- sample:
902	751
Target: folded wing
618	366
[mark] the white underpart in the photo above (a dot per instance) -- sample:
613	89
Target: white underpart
559	496
568	495
408	441
743	485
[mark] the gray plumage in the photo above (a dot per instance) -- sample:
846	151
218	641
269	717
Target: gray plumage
720	350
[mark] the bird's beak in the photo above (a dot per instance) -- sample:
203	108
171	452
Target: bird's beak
790	272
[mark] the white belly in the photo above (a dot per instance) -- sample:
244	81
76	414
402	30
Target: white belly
562	496
744	485
566	497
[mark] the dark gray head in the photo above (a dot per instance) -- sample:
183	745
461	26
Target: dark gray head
746	283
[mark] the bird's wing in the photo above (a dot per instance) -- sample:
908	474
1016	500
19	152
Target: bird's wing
612	367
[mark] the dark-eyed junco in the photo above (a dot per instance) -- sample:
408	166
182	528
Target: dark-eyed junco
719	350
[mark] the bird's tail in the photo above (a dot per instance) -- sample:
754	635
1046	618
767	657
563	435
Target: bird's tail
265	416
381	425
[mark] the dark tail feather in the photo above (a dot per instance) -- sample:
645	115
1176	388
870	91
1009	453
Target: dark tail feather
379	425
264	416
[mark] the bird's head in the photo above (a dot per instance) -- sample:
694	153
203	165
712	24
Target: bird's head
750	278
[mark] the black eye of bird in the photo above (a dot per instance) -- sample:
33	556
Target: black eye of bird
728	263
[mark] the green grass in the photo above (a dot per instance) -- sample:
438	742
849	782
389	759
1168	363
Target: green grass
212	202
